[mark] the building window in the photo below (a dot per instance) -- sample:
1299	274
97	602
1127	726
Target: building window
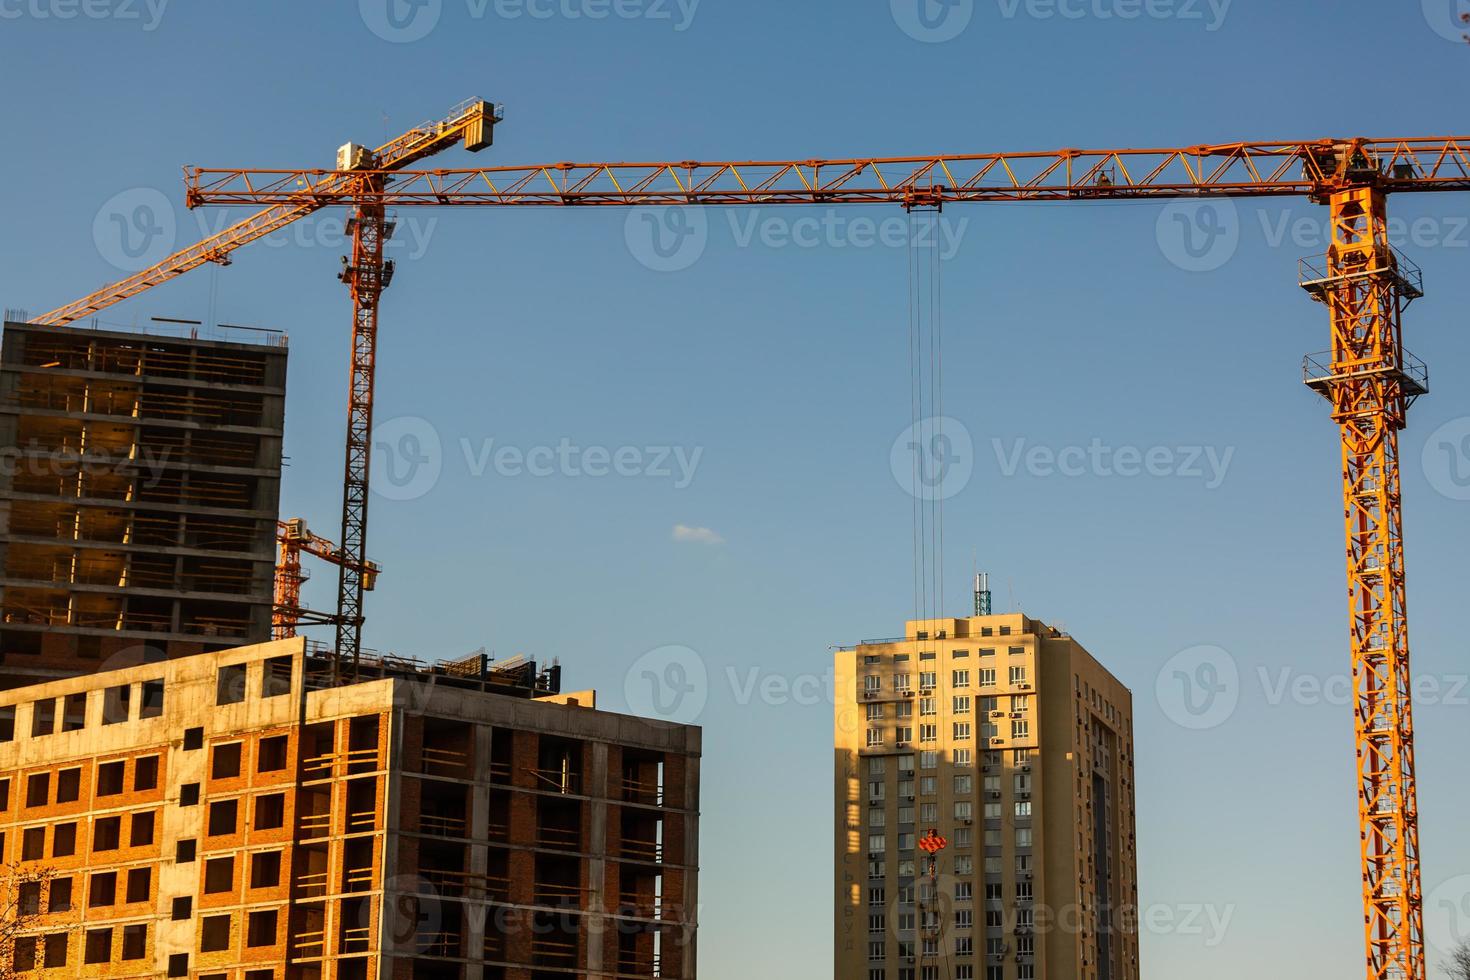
110	778
904	709
961	704
63	840
181	909
874	712
961	837
1018	673
1023	809
185	851
38	789
178	964
929	812
219	875
193	739
962	758
226	762
140	830
58	896
1023	836
987	676
877	766
151	705
271	754
134	942
229	684
265	869
145	774
960	678
214	934
270	811
68	785
964	810
928	706
260	929
106	833
55	951
103	890
222	817
961	731
275	678
140	885
1020	728
964	785
875	737
872	683
928	680
901	683
117	704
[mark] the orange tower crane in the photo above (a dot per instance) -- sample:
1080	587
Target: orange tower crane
367	273
1367	375
294	539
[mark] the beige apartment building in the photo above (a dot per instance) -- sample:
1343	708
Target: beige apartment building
1007	738
239	816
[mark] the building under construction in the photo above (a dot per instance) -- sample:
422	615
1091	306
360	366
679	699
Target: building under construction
139	496
240	816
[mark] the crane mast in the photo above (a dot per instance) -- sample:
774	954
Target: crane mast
1368	377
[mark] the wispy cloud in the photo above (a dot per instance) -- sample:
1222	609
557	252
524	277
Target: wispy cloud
696	535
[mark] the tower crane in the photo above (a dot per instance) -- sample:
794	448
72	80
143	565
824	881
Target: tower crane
294	539
1367	376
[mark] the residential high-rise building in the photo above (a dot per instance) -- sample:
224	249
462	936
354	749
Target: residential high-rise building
1012	746
138	496
235	816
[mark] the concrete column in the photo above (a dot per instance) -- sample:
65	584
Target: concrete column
476	912
597	920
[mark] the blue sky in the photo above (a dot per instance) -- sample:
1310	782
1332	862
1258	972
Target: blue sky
779	372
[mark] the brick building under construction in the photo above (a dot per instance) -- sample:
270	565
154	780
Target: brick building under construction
138	496
237	816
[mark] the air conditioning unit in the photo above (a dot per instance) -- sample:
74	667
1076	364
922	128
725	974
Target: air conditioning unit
994	795
998	740
909	799
1023	687
997	714
1018	714
1025	876
1023	796
1025	768
969	822
870	694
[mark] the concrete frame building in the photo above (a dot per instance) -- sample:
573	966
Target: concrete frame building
138	499
1011	741
231	816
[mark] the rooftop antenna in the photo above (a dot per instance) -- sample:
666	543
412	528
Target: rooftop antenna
982	593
